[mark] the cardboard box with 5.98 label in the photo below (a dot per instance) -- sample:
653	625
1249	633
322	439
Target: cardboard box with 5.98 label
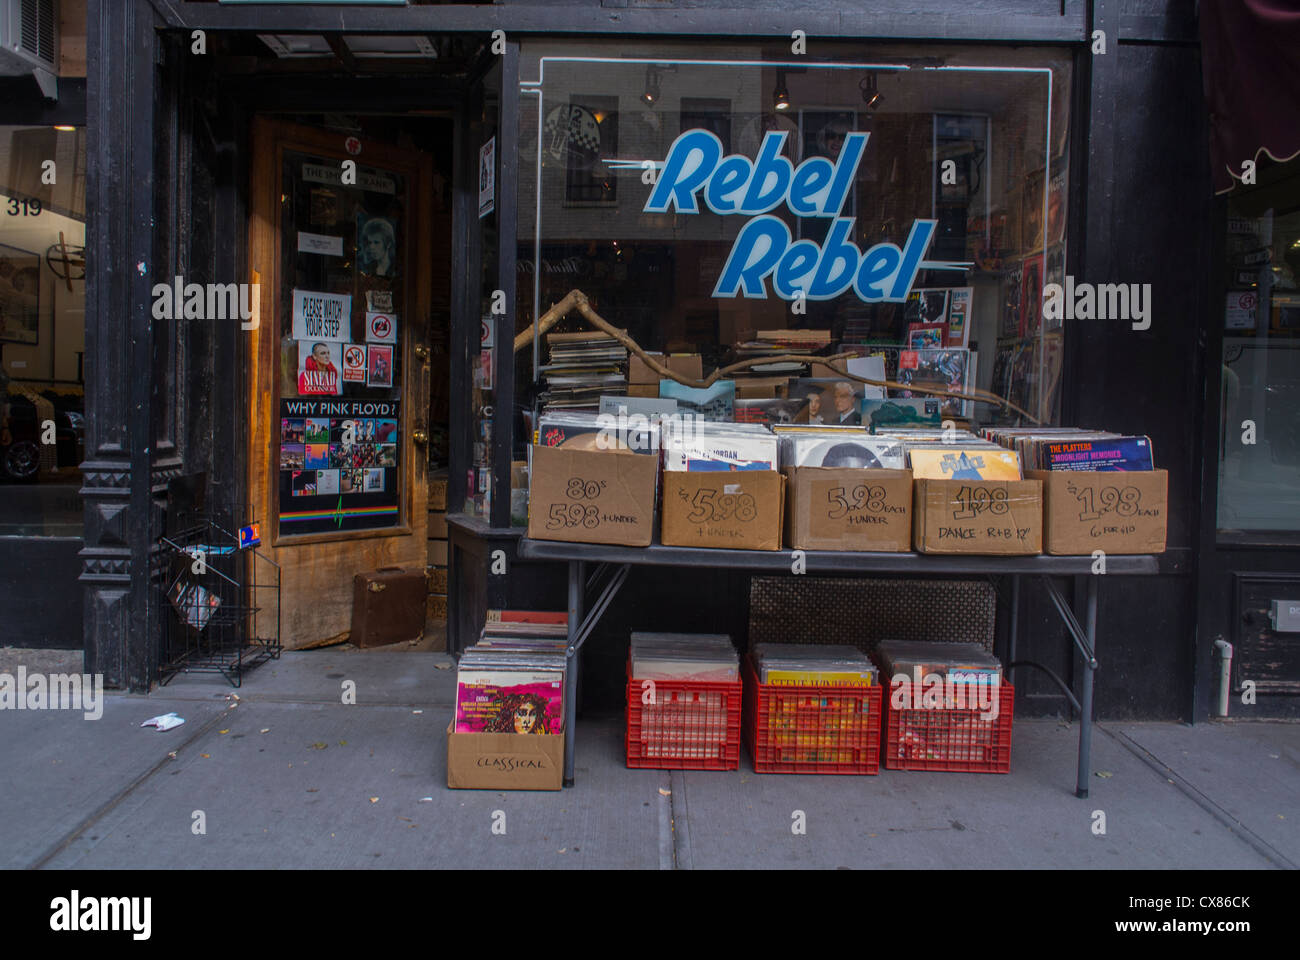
735	510
1112	511
835	508
1001	517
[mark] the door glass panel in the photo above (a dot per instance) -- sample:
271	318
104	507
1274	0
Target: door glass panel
343	270
42	329
1259	438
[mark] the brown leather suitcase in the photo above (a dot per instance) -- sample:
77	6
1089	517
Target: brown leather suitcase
388	606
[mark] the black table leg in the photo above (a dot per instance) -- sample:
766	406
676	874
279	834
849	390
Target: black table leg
571	667
1085	704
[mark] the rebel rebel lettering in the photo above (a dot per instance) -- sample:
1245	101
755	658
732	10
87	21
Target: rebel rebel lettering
696	169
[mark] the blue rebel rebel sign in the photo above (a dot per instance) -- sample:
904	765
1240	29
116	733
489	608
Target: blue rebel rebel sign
734	185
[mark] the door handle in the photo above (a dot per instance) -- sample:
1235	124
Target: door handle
420	435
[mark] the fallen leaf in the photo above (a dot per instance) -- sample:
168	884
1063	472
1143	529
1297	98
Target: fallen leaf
562	849
1105	774
265	730
313	789
206	756
407	819
319	746
1280	817
223	731
343	743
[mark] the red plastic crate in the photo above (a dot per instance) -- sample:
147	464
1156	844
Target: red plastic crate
689	726
811	729
948	738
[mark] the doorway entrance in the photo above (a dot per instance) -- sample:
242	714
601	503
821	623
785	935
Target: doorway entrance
349	233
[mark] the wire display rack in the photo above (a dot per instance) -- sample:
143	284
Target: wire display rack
216	594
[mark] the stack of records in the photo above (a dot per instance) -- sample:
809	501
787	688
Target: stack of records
813	664
697	657
582	366
694	726
592	431
700	445
954	455
954	663
842	447
774	343
512	680
1069	448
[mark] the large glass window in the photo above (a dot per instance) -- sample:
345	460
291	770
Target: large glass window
909	202
1259	441
42	329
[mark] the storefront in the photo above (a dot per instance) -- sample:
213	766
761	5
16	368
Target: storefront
410	191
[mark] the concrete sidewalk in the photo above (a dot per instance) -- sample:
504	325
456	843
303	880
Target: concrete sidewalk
288	776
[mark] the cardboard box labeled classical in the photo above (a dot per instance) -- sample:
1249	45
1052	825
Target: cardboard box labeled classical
1112	511
736	510
832	508
504	761
592	496
999	517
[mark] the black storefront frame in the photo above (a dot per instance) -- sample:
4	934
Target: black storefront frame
31	562
126	480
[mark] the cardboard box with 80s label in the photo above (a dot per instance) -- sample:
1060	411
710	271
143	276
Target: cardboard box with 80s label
592	496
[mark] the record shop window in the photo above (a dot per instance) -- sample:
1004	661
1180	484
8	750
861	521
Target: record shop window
906	204
42	329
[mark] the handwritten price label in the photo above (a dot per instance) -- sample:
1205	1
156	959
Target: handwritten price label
861	497
579	489
1121	501
573	515
708	504
972	501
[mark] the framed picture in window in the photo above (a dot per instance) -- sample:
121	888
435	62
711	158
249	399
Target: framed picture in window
20	296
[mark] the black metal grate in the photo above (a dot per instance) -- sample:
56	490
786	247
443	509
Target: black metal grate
862	612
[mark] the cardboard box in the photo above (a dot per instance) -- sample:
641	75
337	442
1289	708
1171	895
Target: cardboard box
504	761
832	508
689	365
1115	512
638	372
1000	517
761	388
644	390
592	496
736	510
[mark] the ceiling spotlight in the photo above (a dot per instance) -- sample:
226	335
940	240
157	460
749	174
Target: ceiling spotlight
651	95
780	96
870	91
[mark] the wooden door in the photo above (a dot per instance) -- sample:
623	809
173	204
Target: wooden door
338	369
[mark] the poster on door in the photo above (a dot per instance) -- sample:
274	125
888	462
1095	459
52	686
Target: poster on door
338	465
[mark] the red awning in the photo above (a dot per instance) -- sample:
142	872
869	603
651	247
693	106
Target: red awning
1251	64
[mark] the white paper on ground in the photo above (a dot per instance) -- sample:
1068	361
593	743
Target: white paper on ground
164	722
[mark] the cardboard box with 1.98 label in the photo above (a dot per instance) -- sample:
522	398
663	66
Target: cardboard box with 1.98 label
999	517
1112	511
592	496
836	508
735	510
